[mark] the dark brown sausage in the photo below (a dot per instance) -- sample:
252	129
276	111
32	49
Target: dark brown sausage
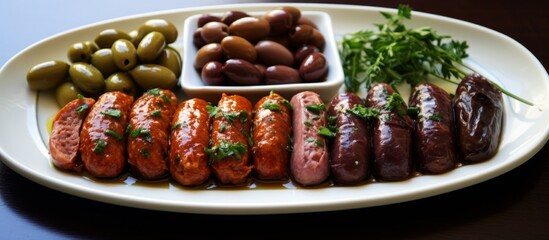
188	141
271	137
478	110
149	132
102	145
350	149
434	129
391	134
230	150
309	160
65	135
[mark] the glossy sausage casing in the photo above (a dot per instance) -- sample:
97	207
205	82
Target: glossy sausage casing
149	131
391	135
478	108
232	125
188	141
65	135
271	137
350	149
103	154
434	129
309	160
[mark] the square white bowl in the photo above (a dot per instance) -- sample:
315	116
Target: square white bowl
193	86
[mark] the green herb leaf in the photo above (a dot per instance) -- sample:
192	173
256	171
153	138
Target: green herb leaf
176	126
156	113
154	91
222	128
212	110
225	150
82	109
316	108
308	124
364	112
326	132
113	113
271	106
113	133
100	146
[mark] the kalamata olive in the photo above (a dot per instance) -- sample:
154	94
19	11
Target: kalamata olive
120	81
171	59
242	72
124	54
107	37
65	93
79	52
313	68
280	21
295	12
159	25
280	74
103	61
212	73
237	47
47	75
301	34
231	16
92	46
272	53
261	68
87	78
213	32
283	40
307	21
198	42
150	76
304	51
206	18
150	47
207	53
317	40
251	28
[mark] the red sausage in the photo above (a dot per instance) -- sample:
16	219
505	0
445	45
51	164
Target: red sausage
65	135
188	141
102	143
149	132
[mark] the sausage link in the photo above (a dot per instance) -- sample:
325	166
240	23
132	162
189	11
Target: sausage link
188	140
309	160
434	132
65	135
391	134
478	108
271	137
350	149
230	152
149	131
102	145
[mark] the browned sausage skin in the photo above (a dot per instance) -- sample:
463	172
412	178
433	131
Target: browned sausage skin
391	134
188	141
309	160
350	148
230	150
434	129
65	135
102	143
271	137
148	133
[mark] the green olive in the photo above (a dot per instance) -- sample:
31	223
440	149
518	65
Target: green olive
87	78
107	37
160	25
65	93
120	81
103	61
47	75
150	47
136	38
79	52
92	46
124	54
153	76
171	59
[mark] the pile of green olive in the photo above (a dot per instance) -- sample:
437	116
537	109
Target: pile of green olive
279	47
113	61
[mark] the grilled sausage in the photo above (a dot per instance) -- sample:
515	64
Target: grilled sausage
478	108
271	137
102	145
350	149
188	140
65	135
434	129
230	150
391	134
309	160
149	132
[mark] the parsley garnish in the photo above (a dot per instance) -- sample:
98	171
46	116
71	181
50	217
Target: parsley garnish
363	111
100	146
435	117
315	141
155	113
113	113
176	126
212	110
308	124
82	109
271	106
139	131
316	108
154	91
326	132
225	149
113	133
222	128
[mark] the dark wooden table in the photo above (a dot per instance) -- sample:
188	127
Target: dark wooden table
514	205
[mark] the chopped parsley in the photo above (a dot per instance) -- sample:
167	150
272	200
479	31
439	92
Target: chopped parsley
165	98
139	131
113	113
212	110
317	142
287	103
154	91
82	109
222	128
363	111
308	124
113	133
326	132
316	108
156	113
176	126
100	146
225	150
435	117
271	106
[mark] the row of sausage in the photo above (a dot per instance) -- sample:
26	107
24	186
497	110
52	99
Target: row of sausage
276	139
